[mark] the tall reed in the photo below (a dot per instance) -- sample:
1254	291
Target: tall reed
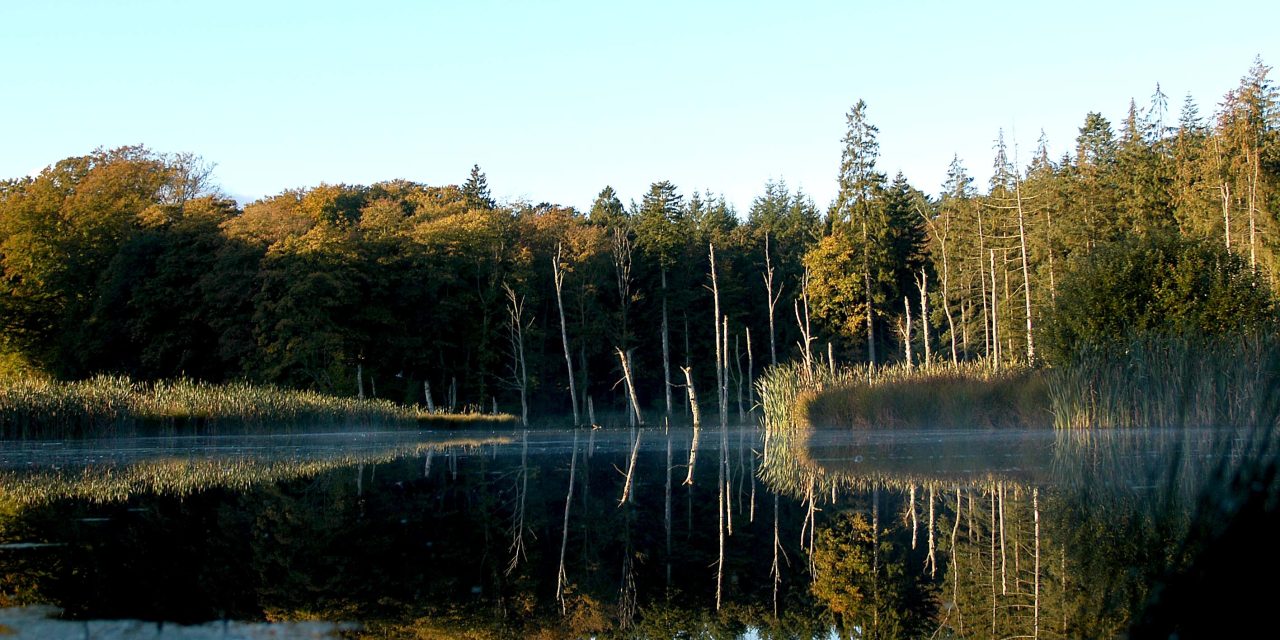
1169	381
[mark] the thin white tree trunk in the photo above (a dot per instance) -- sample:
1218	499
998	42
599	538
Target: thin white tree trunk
631	387
558	276
666	348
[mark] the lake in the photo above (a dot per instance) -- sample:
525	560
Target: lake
609	533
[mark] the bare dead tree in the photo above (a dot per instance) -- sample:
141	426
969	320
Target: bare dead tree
802	321
519	375
426	392
772	298
751	373
922	283
631	387
666	348
557	271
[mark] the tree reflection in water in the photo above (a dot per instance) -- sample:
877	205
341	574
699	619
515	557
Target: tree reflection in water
974	535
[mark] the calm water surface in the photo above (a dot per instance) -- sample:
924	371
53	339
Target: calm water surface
609	533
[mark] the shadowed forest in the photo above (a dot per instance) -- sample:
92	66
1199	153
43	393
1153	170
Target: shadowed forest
131	261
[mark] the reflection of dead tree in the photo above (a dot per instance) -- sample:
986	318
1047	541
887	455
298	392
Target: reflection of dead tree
561	577
666	511
697	423
631	469
517	517
1035	508
721	508
775	570
932	561
1004	587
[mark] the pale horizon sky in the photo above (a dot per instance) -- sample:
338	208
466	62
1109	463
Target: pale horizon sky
555	100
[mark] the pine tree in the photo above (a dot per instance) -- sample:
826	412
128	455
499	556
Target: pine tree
476	190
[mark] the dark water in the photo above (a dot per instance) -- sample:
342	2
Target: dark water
595	533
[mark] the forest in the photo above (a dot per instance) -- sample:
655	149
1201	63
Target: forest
132	261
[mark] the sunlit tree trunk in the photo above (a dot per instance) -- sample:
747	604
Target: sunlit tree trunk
558	277
631	387
520	378
772	299
666	348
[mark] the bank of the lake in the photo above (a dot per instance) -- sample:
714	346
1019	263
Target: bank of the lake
107	405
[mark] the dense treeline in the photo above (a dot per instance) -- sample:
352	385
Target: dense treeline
130	261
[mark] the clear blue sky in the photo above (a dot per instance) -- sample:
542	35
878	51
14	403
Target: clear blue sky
555	100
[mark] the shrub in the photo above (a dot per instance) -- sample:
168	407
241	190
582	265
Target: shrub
1158	283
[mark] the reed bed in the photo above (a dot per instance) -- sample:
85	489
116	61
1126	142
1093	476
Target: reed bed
966	395
1170	382
110	405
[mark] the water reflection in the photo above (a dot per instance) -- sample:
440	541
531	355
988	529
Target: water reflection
598	533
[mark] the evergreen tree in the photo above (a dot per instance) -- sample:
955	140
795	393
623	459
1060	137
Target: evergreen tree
476	190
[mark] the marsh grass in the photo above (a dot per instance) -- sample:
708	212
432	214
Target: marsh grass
112	405
1168	381
949	395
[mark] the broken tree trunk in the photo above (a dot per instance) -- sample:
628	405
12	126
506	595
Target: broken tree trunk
631	388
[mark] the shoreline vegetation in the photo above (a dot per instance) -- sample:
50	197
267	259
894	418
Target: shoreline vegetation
1151	380
109	405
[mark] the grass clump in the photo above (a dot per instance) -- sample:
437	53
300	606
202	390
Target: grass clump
960	395
942	396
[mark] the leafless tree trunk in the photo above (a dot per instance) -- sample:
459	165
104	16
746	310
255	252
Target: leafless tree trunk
923	283
946	277
806	333
995	316
631	388
986	315
558	276
1026	271
772	299
520	379
737	363
721	358
666	348
906	329
751	374
426	392
621	247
